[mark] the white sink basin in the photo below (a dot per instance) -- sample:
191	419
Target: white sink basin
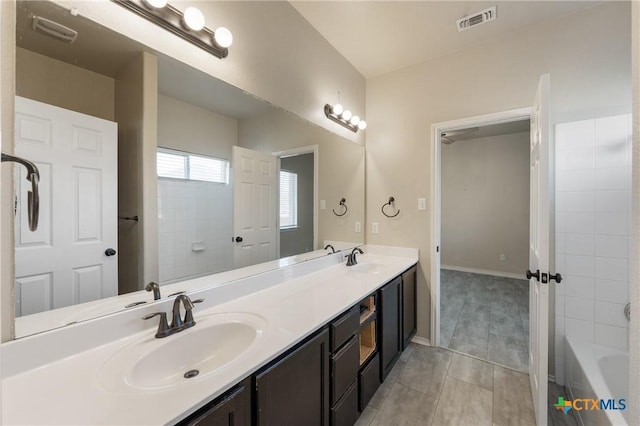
362	269
215	342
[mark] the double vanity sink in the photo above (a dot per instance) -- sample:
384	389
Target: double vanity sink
115	371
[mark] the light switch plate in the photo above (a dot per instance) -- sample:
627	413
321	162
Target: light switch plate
323	204
422	203
374	227
358	227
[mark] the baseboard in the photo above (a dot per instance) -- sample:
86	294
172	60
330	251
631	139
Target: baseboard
421	341
484	272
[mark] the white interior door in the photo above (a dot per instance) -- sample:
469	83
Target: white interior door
539	250
64	261
255	222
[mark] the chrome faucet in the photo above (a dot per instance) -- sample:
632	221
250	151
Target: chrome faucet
351	257
155	288
333	250
177	323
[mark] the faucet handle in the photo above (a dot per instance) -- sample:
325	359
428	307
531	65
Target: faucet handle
163	326
188	316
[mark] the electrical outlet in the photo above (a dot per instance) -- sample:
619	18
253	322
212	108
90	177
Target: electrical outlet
323	204
374	227
422	203
358	227
502	258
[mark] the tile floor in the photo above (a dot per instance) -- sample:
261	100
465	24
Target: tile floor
434	386
486	317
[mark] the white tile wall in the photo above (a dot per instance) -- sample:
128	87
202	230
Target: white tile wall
190	214
593	182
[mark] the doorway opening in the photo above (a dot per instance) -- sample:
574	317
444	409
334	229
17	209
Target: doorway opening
297	193
469	169
484	244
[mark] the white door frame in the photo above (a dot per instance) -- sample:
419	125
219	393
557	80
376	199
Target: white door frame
309	149
435	205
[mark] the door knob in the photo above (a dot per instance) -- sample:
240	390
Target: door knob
238	239
109	252
556	277
535	275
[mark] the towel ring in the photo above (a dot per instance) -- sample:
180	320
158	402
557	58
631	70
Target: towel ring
342	203
390	203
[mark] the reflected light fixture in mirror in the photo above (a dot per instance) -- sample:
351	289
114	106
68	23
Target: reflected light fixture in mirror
344	117
189	25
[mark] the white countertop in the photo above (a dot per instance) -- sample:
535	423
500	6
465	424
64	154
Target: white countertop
70	387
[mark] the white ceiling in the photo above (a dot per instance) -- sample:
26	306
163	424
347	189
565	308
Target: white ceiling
378	37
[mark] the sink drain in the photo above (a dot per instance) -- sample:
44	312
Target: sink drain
191	373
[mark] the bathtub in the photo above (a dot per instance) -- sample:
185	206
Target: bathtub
597	372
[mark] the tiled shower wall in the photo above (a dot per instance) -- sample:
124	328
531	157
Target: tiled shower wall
195	227
593	199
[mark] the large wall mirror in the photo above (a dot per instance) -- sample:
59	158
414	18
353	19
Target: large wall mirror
237	182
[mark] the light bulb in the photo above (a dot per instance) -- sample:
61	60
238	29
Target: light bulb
362	125
193	19
337	109
355	120
346	114
155	4
223	37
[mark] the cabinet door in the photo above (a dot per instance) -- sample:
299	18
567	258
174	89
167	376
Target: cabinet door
295	390
233	409
408	306
390	337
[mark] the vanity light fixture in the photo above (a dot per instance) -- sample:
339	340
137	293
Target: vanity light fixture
189	25
344	117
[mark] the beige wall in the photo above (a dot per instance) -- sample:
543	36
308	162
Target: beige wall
634	296
57	83
276	54
588	56
136	114
485	203
7	95
300	239
186	127
340	169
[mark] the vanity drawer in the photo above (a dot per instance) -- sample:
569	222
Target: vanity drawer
344	327
345	412
369	379
344	368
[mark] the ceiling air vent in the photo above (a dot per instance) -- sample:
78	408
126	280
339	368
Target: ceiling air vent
53	29
479	18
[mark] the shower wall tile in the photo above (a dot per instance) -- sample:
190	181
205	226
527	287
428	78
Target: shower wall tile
612	223
580	244
611	268
617	178
593	220
193	212
583	330
578	308
615	337
612	291
612	246
610	314
579	222
583	287
579	266
613	201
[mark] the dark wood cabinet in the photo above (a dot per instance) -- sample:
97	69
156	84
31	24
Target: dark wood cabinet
409	319
231	409
389	324
295	390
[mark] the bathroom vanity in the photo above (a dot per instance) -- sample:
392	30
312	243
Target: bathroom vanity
306	344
